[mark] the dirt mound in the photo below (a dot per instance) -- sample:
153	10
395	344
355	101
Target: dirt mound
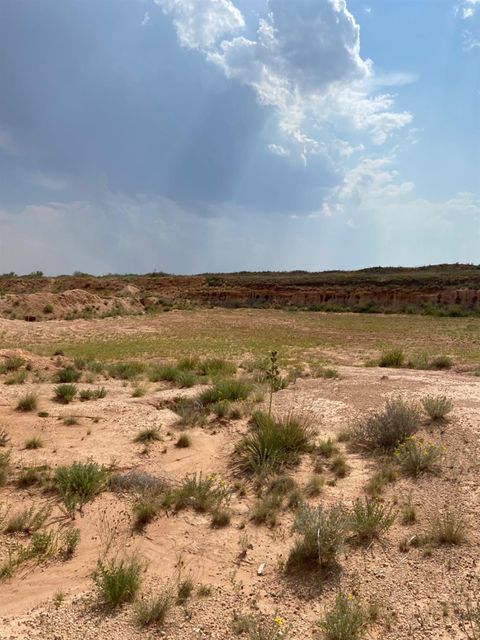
68	304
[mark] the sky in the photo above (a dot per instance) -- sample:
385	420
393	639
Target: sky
192	136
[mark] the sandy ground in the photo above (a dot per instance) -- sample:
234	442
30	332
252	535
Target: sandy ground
418	593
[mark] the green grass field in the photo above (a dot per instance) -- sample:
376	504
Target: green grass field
241	332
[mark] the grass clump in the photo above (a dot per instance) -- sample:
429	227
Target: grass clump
92	394
4	466
18	377
326	448
448	528
437	407
369	519
71	540
386	429
220	518
266	509
65	393
11	364
184	441
199	493
190	411
339	466
118	580
68	375
152	611
441	363
135	482
151	434
79	483
216	368
28	402
416	457
33	443
33	476
27	521
274	443
146	509
393	358
386	474
323	533
229	389
126	370
313	487
347	620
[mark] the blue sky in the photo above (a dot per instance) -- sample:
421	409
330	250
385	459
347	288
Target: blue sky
218	135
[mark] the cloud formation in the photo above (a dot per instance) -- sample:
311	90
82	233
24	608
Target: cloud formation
201	23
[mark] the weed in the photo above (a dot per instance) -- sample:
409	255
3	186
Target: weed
68	375
31	476
126	370
265	510
139	391
71	540
33	443
70	421
11	364
65	393
437	407
184	590
28	402
220	518
385	430
408	512
152	434
416	457
16	378
27	521
4	467
229	389
184	441
394	358
191	412
339	466
369	519
221	409
281	485
386	474
92	394
152	611
313	487
79	483
323	532
274	443
145	509
118	580
259	628
448	528
346	620
326	448
195	491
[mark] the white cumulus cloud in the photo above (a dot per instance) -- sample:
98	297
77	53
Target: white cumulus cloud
201	23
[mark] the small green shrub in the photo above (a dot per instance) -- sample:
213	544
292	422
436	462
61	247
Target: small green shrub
27	521
339	466
448	528
265	510
151	434
326	448
184	441
347	619
199	493
92	394
33	443
416	457
314	486
274	443
11	364
386	429
323	533
28	402
386	474
394	358
126	370
437	407
68	375
71	540
118	580
65	393
230	389
369	519
184	590
79	483
152	611
220	518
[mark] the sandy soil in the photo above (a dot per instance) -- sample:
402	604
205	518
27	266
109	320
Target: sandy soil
418	593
